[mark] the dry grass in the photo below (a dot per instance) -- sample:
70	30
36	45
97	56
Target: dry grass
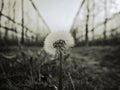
86	68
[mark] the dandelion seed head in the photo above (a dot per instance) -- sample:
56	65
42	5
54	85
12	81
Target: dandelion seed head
58	39
59	44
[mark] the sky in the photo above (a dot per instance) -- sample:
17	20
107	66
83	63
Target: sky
58	14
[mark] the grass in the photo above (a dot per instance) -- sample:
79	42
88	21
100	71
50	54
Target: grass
85	68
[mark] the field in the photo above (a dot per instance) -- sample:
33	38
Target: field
84	68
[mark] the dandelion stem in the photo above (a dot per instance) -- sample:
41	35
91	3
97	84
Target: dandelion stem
60	72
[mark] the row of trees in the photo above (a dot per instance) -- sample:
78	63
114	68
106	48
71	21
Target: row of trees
21	22
97	21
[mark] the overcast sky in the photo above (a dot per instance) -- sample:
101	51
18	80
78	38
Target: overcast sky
58	14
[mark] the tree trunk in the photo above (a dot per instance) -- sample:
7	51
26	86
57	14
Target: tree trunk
22	34
2	6
87	23
105	22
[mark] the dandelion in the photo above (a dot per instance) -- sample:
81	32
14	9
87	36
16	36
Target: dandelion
58	37
56	43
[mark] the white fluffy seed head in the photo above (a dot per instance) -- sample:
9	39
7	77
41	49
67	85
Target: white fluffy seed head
55	36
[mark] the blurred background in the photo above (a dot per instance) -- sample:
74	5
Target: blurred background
30	21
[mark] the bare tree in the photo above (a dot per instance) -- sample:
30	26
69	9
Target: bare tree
74	29
13	25
74	33
2	6
7	24
105	22
87	22
22	34
39	14
93	7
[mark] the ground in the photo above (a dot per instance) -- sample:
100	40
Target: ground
84	68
